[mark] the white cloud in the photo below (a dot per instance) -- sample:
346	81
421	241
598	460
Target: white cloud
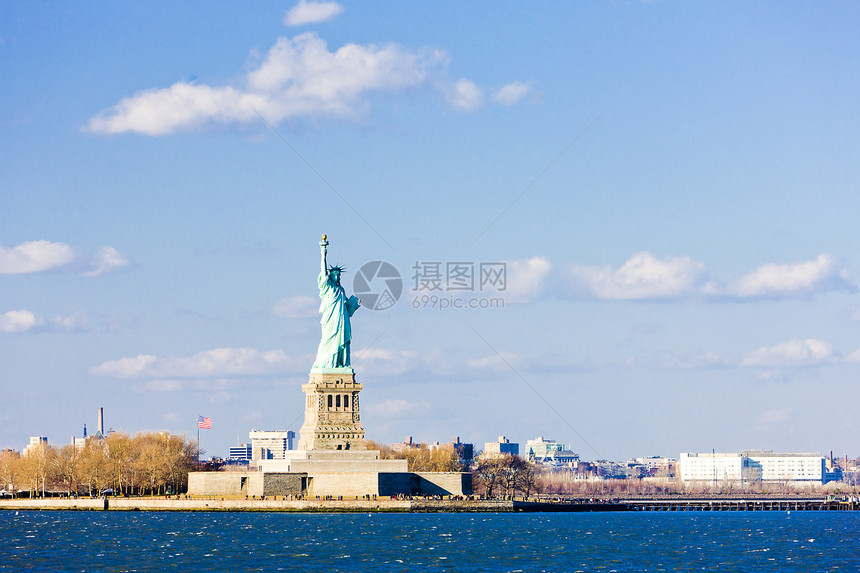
73	322
797	352
465	94
383	362
693	361
525	279
399	408
108	259
296	307
221	397
168	385
38	256
768	375
181	106
24	320
219	362
794	279
511	93
136	367
19	321
642	277
299	77
312	12
854	356
34	257
495	362
776	418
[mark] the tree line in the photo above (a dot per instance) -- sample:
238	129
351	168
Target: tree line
422	458
148	463
505	475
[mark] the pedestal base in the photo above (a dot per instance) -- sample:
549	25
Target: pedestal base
332	416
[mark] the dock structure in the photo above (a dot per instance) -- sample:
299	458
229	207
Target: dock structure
810	504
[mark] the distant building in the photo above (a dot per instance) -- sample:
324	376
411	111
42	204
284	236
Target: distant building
241	453
717	467
777	467
405	445
549	452
99	436
610	469
653	466
36	443
464	451
270	445
753	466
500	447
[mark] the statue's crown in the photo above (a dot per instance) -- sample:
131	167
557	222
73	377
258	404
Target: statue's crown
337	268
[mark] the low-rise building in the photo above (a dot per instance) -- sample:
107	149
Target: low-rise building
549	452
240	453
778	467
500	447
36	443
654	466
753	466
464	451
406	444
270	445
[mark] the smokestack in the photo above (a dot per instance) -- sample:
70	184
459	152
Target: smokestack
102	421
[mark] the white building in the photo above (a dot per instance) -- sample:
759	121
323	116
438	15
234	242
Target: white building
36	443
270	445
241	453
716	467
550	452
776	467
752	466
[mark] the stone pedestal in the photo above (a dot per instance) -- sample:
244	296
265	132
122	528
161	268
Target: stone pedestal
332	420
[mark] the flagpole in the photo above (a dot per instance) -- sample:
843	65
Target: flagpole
198	440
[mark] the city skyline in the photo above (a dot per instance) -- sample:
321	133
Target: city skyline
667	188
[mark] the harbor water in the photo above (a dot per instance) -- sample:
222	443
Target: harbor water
257	541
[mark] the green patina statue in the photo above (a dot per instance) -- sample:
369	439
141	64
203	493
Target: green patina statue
336	310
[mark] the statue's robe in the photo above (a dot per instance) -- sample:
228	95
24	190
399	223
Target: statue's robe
336	309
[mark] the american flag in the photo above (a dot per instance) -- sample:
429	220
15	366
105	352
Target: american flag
204	423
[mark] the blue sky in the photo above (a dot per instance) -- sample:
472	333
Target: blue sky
671	186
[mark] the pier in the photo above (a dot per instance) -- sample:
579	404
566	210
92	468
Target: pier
809	504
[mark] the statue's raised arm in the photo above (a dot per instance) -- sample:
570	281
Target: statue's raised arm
323	252
336	310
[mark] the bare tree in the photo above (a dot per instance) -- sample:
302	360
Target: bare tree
37	467
421	458
10	462
529	480
66	467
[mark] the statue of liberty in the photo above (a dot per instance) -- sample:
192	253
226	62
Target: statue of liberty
336	310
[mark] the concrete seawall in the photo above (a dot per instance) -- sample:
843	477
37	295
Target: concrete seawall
305	505
414	505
